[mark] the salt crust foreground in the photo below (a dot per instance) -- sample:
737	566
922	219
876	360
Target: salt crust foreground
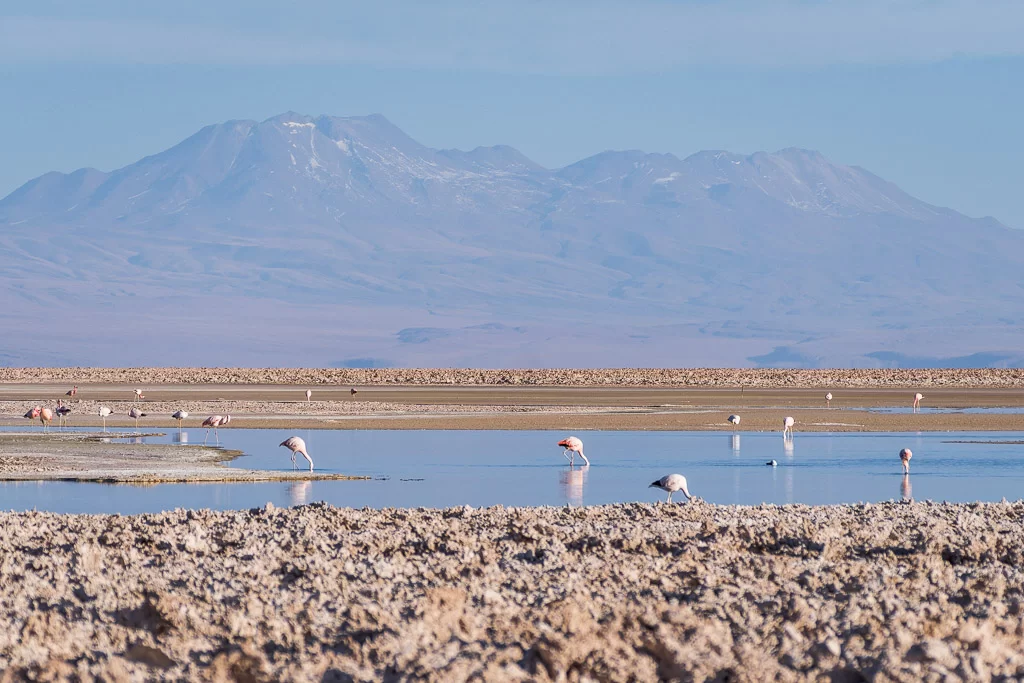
682	377
887	592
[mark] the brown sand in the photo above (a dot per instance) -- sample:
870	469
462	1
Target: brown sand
693	592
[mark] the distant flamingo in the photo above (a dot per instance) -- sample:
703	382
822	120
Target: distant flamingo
138	395
572	446
353	392
72	391
104	412
296	445
213	422
179	415
34	413
671	483
46	417
828	400
309	394
62	413
734	419
787	427
917	401
136	413
905	455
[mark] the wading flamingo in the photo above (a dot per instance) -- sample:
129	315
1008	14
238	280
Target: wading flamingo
787	427
62	414
572	446
905	455
104	412
671	483
213	422
136	413
296	445
734	419
46	417
917	401
828	400
179	415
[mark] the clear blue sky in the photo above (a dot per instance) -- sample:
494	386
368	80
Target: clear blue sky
927	93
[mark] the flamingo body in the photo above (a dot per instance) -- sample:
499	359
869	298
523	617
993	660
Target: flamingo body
917	400
296	445
787	426
34	413
572	446
46	417
213	422
309	394
734	419
905	455
136	414
104	412
828	400
672	483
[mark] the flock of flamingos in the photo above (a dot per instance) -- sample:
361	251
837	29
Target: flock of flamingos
573	445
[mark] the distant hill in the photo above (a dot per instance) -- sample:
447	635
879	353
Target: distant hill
343	241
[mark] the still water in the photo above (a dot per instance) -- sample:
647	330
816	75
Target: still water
481	468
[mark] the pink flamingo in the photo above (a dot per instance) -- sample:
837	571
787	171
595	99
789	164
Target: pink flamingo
905	455
671	483
573	445
787	427
34	413
296	445
213	422
138	395
72	391
46	417
917	401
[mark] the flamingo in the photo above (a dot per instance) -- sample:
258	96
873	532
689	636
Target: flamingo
72	391
296	445
309	393
46	417
917	401
34	413
905	455
138	395
179	415
573	445
104	412
734	419
828	400
136	413
213	422
62	413
772	463
672	483
787	427
352	391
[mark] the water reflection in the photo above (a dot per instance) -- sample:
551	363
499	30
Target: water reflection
573	480
298	492
787	447
906	490
734	443
180	437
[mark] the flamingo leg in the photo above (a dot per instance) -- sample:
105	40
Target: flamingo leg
294	465
670	496
584	458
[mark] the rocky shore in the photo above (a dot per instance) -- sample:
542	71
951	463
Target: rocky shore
892	592
625	377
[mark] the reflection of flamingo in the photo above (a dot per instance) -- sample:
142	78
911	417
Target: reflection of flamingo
136	413
787	427
308	395
296	445
573	445
917	401
672	483
213	422
572	481
906	490
104	412
298	492
734	441
905	455
828	400
734	419
787	446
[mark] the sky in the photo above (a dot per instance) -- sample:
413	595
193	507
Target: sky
928	94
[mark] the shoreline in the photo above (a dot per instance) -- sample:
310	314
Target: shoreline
887	591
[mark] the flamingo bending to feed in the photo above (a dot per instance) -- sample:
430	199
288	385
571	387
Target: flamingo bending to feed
828	400
905	455
787	427
308	395
104	412
917	401
213	422
179	415
734	419
672	483
136	413
296	445
572	446
138	395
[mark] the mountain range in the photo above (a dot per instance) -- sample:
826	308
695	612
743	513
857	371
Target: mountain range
341	241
